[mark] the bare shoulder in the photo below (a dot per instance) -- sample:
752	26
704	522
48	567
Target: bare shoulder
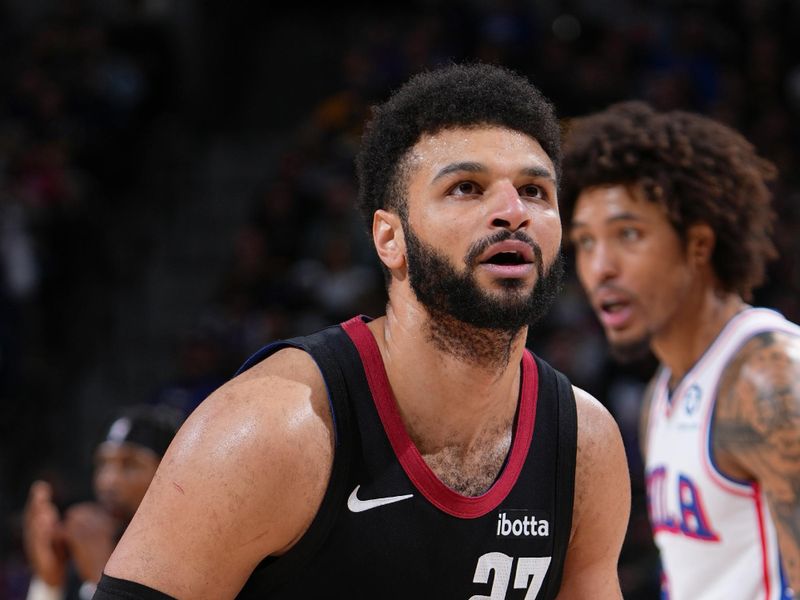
601	506
242	480
260	425
596	427
601	459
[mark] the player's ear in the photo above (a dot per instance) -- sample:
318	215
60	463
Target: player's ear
700	241
387	234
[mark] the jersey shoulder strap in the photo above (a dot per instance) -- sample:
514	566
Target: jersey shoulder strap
555	384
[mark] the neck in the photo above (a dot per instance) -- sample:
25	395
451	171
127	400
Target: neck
482	349
699	323
450	381
474	352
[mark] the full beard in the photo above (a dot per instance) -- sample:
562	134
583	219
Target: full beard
467	322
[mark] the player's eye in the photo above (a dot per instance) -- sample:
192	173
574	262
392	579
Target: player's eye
583	243
465	188
531	191
630	234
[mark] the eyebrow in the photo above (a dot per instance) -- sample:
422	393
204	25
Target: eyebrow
470	167
625	216
475	167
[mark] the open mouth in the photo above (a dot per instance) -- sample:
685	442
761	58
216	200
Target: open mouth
613	306
509	263
507	258
508	253
615	312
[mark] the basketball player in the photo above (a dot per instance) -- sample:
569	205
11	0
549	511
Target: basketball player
425	453
670	223
67	555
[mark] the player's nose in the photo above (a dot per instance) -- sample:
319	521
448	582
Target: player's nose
508	210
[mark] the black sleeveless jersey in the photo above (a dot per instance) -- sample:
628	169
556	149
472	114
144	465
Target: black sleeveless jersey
388	528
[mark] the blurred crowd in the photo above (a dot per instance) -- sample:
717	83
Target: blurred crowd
78	94
81	94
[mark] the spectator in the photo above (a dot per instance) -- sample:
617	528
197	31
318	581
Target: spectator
67	554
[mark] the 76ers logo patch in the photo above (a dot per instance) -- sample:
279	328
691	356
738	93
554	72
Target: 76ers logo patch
691	399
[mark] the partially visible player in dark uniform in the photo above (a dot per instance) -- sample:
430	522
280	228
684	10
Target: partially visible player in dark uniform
425	453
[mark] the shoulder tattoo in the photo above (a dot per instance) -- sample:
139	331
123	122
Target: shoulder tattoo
757	425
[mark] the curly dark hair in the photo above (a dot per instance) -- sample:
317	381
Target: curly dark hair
456	95
700	170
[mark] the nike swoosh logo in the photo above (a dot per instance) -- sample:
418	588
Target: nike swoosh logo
356	505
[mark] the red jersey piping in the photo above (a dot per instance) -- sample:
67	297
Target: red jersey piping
421	475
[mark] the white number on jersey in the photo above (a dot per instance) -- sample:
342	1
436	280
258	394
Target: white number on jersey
529	574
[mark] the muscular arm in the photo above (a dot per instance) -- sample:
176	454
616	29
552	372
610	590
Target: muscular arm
242	480
601	507
756	431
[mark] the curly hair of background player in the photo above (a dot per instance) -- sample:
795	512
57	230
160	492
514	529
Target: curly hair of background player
699	170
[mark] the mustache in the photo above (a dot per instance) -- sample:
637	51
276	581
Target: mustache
479	247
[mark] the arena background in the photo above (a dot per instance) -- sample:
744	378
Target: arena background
176	188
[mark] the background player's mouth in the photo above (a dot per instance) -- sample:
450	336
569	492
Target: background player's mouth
615	315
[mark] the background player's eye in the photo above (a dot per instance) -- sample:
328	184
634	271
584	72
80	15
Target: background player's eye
630	234
583	242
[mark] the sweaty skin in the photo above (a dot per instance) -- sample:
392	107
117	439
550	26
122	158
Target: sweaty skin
252	462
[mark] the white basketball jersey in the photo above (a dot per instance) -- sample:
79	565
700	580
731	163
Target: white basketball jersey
715	535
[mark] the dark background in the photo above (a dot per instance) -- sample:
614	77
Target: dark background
176	189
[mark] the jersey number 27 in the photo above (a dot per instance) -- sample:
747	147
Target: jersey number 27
529	574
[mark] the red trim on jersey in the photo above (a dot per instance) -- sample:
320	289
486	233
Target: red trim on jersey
762	536
413	464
